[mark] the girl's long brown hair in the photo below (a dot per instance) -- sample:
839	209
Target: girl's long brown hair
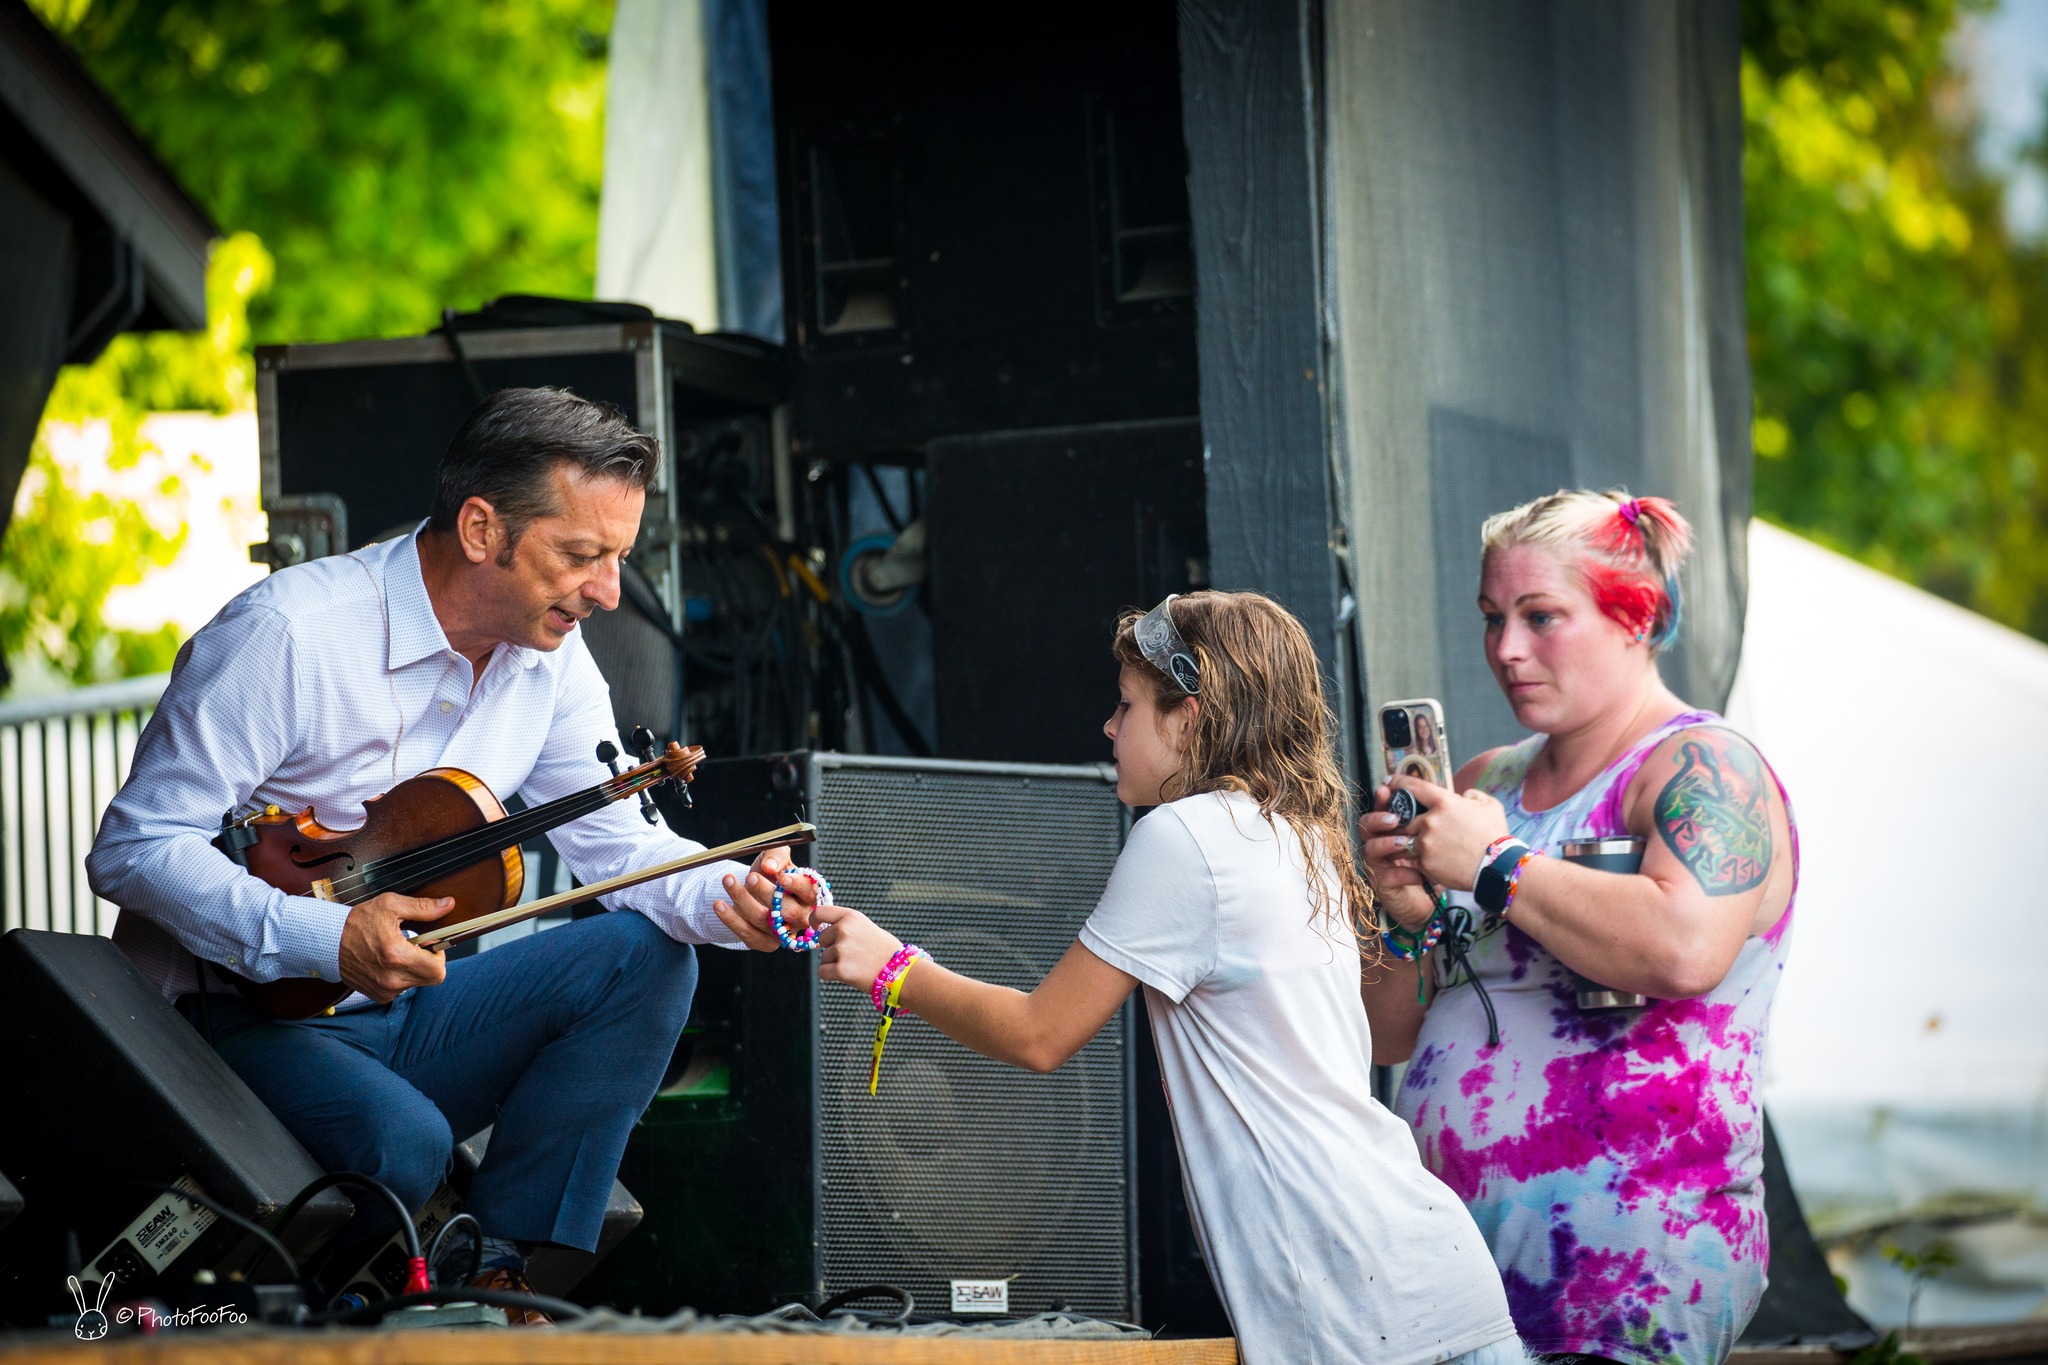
1264	729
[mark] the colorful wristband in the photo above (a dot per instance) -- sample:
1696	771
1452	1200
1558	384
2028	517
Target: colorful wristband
1515	878
1493	850
1494	889
892	1003
804	942
880	990
1418	943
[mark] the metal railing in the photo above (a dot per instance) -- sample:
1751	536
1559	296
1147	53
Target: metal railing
62	759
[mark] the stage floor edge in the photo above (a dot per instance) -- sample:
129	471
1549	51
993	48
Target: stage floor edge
457	1346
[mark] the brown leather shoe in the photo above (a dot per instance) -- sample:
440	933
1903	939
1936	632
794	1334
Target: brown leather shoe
513	1282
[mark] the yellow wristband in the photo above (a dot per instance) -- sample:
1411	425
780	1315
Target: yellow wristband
894	999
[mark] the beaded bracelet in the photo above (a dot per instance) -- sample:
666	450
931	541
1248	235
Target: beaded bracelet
1494	850
799	943
1420	944
880	990
891	1003
1493	888
1529	855
1430	935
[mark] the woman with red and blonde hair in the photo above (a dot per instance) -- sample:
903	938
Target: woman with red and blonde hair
1612	1157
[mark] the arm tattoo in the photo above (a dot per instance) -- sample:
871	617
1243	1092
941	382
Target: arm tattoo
1716	813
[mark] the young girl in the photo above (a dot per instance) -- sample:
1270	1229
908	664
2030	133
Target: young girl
1237	904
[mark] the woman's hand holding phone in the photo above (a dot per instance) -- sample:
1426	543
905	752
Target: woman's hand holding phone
1390	866
1445	842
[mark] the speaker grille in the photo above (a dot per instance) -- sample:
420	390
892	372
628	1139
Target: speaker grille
962	1167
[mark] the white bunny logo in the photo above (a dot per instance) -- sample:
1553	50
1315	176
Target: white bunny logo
92	1322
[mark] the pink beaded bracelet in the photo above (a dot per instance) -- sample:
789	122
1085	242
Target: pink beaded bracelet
897	962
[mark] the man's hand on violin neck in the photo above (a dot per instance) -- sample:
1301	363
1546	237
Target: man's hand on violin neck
376	956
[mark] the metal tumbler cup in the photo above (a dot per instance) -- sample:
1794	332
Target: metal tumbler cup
1621	855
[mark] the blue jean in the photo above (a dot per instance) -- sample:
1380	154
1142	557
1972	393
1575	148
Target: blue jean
558	1039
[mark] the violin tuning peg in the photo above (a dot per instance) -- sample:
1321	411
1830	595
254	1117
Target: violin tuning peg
608	754
643	743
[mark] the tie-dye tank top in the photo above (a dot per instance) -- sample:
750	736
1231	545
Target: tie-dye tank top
1613	1159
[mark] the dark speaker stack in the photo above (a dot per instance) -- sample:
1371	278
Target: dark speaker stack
768	1171
988	273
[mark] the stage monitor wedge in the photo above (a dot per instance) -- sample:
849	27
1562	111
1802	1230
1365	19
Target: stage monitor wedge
111	1088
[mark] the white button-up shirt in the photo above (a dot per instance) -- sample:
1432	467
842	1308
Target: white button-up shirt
323	686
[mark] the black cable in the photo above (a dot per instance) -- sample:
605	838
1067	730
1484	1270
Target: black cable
250	1225
476	1256
870	1291
558	1309
476	386
879	687
371	1183
1458	937
882	499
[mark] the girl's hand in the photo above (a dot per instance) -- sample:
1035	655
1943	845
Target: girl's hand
851	947
1390	867
1445	842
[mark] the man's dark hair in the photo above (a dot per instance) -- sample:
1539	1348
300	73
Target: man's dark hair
509	446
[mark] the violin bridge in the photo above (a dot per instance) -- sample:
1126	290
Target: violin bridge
323	888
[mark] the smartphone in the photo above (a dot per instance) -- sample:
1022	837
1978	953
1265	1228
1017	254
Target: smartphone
1414	741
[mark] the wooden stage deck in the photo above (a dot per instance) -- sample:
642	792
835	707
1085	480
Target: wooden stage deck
459	1347
2016	1344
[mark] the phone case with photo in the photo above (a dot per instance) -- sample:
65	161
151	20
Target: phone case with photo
1427	754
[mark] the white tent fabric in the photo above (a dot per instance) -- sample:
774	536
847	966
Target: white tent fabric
656	237
1908	1063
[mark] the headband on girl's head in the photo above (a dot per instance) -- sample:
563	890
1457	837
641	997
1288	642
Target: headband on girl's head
1163	648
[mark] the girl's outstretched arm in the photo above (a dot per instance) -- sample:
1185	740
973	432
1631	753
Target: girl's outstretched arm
1036	1031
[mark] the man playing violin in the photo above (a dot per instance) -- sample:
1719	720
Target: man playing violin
324	686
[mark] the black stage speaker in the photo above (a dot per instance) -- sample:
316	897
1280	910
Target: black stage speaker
769	1173
1038	539
984	219
108	1086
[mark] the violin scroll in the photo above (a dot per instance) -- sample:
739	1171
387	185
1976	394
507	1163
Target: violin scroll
676	764
686	760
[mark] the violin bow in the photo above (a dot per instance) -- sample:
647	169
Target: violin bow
799	833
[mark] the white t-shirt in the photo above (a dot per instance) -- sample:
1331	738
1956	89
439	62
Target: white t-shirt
1328	1240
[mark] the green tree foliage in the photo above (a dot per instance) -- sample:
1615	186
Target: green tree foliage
65	550
382	159
395	158
1898	331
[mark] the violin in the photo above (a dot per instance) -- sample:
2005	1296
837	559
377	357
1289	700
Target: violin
443	833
